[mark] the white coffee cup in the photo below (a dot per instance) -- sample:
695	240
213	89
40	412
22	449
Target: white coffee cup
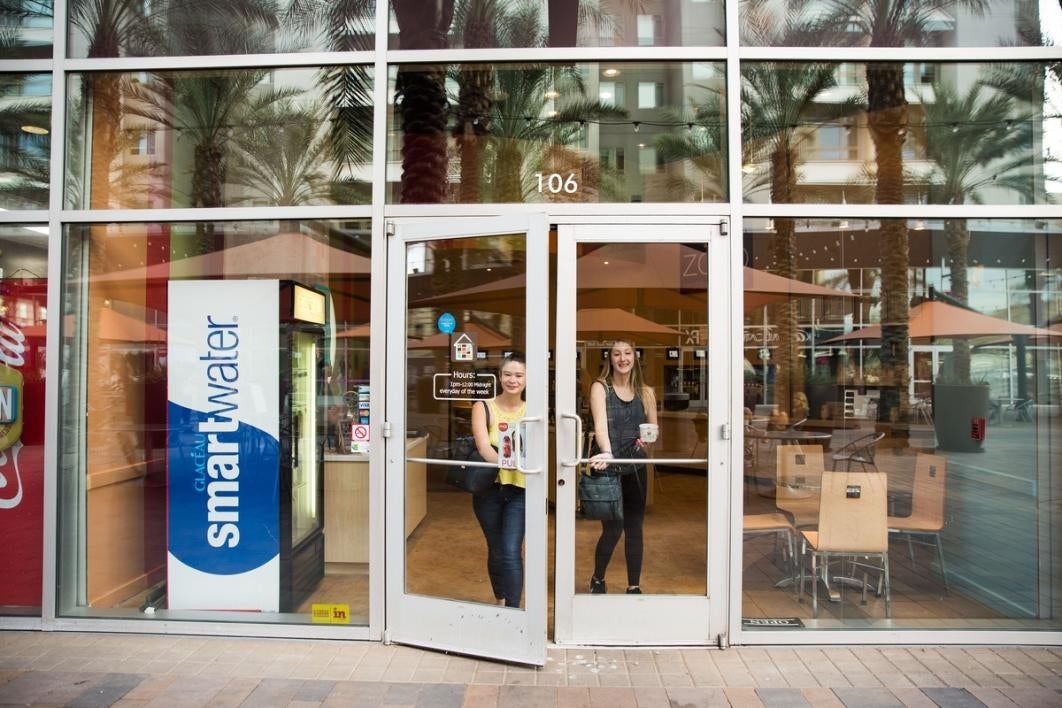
648	432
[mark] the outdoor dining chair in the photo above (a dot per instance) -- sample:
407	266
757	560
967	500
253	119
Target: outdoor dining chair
927	509
852	527
860	450
778	524
798	470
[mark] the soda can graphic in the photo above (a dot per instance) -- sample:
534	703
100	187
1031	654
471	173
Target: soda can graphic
12	346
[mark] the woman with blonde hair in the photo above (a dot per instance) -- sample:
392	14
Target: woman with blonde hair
620	402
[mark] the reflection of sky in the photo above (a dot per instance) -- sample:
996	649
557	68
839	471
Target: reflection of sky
1051	27
1051	22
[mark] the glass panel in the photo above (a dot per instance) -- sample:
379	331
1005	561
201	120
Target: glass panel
843	133
165	28
466	304
896	23
866	353
558	133
242	137
158	484
557	23
26	29
25	143
641	331
23	330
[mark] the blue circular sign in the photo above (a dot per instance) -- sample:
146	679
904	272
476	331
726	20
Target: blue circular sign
447	323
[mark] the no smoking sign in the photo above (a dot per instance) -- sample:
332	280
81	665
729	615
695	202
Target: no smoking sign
359	433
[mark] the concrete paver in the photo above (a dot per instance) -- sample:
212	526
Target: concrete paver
85	669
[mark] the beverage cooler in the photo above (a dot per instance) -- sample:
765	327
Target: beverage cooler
245	462
302	317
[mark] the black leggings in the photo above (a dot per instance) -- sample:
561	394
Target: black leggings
634	489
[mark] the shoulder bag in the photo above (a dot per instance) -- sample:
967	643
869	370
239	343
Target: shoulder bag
470	478
601	496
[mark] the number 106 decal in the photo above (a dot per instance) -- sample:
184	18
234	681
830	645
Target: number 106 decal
555	183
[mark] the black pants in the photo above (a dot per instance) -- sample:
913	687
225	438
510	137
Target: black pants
634	491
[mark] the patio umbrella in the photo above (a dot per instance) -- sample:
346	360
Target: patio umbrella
362	330
605	323
111	326
117	327
933	318
763	288
663	276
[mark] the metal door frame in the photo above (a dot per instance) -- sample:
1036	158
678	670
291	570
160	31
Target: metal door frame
473	628
620	619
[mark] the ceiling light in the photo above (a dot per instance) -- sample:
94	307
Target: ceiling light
34	130
610	73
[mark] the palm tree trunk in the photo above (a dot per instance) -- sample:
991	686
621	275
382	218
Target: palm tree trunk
507	174
887	118
208	179
958	239
473	101
103	92
422	104
789	370
208	175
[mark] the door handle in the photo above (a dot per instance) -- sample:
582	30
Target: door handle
578	439
519	447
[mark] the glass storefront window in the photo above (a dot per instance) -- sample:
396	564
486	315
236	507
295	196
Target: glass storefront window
23	329
960	133
842	23
173	28
154	504
937	408
609	23
242	137
26	28
25	143
609	132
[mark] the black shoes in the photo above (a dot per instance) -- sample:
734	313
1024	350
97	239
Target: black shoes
634	590
597	587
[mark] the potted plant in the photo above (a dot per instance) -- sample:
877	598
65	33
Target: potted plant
960	413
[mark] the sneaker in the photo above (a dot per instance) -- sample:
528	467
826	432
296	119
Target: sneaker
634	590
597	587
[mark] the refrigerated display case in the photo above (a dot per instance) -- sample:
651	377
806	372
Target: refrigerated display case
302	445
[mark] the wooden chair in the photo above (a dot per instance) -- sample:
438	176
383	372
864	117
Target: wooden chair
852	526
779	524
927	509
798	469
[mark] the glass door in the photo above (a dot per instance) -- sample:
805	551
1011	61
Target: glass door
641	372
467	349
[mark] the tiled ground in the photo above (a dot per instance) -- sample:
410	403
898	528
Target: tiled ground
73	669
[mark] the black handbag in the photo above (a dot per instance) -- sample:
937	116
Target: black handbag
470	478
601	496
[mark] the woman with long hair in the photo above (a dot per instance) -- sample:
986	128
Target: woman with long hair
500	509
620	402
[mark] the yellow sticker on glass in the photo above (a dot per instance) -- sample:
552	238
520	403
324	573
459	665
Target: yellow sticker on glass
322	613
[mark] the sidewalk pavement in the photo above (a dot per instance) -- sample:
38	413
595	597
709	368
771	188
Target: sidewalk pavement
98	669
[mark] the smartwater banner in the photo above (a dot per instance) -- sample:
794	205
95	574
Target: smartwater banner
223	448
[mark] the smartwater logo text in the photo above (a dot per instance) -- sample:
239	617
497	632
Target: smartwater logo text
220	473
